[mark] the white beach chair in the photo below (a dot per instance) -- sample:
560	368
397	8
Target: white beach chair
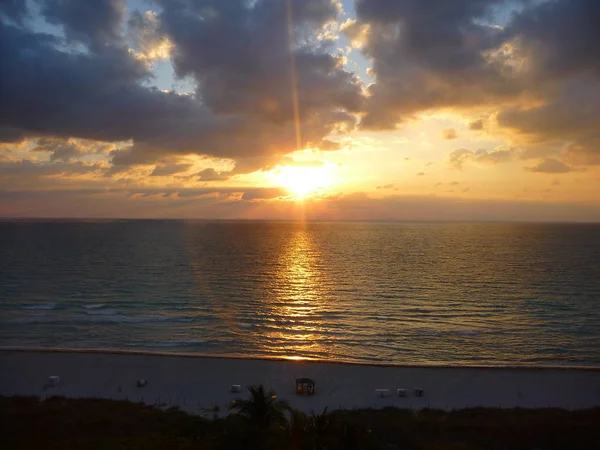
401	392
382	393
235	388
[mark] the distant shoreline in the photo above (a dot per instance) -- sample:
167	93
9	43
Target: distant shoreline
242	220
114	351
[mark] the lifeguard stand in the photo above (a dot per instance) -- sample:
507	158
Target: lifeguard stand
305	386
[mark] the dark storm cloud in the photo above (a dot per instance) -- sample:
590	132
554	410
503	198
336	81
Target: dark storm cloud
94	23
436	54
14	10
237	52
241	57
560	36
46	91
427	55
574	110
572	116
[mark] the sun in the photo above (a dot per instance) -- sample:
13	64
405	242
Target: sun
303	182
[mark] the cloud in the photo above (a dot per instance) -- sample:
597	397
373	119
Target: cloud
583	151
237	53
272	204
212	175
428	56
449	134
571	116
59	149
15	10
302	163
476	125
94	23
422	62
264	194
163	170
459	157
19	172
215	42
144	32
558	37
550	165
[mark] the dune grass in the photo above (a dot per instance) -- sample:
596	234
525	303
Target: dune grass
61	423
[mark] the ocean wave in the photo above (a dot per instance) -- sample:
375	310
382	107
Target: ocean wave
104	312
43	306
466	332
94	306
434	332
100	317
186	343
120	318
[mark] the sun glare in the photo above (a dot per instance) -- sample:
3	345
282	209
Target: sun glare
303	181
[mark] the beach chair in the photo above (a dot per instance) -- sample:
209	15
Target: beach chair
53	381
418	392
142	383
401	392
382	393
235	388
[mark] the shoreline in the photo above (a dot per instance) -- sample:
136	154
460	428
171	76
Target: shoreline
116	351
198	383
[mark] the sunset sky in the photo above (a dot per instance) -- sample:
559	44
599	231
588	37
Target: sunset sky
317	109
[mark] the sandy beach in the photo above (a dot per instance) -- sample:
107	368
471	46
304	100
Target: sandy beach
197	384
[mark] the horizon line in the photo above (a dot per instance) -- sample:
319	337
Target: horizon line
242	219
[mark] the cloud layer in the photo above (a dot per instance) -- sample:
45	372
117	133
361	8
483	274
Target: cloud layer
79	105
542	68
240	56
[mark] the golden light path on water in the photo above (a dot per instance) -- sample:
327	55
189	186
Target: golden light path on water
298	297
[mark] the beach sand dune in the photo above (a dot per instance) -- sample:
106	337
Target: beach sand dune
198	384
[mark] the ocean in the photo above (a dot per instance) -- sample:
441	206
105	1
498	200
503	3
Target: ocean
383	293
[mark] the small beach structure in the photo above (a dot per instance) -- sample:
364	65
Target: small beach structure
53	381
382	393
142	383
305	386
235	388
401	392
418	392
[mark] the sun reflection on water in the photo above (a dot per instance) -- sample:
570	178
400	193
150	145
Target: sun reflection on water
297	296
